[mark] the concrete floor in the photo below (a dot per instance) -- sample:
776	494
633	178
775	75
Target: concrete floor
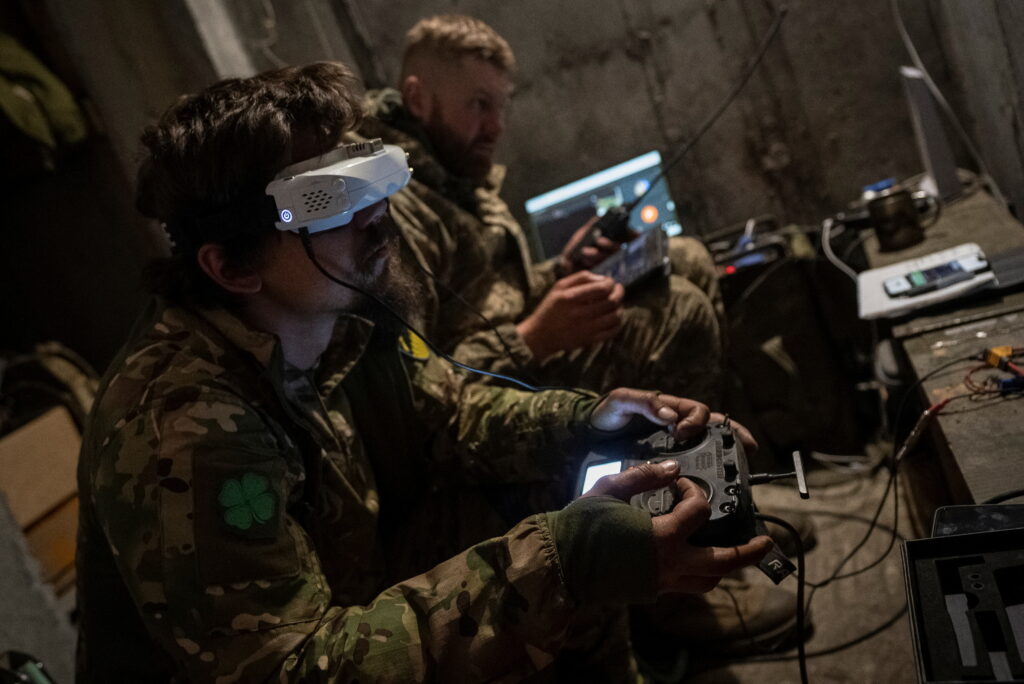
846	609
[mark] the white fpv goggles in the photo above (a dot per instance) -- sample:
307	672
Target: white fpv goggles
325	192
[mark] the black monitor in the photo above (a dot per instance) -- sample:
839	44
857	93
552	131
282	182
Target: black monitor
558	213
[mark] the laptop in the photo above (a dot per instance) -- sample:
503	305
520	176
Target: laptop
556	214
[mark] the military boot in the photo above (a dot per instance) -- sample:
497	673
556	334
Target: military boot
738	617
803	524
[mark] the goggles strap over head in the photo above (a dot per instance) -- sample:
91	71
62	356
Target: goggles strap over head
251	216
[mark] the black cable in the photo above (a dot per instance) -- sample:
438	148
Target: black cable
847	644
910	390
891	485
894	482
854	245
760	280
894	534
980	356
870	634
1000	498
801	578
840	516
308	246
894	476
769	36
619	216
478	313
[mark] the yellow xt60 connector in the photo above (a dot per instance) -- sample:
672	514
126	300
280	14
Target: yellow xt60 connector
998	356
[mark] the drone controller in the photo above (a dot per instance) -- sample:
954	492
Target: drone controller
613	224
638	261
716	463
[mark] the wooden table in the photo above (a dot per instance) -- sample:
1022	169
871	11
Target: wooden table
977	447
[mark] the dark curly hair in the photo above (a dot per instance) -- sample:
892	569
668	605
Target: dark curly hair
209	158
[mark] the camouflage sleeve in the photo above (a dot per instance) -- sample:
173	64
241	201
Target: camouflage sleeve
545	274
498	434
490	350
432	244
194	501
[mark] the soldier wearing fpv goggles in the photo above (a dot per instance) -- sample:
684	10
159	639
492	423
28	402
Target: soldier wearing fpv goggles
278	483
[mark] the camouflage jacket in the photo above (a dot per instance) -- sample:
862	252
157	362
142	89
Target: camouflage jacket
241	523
468	239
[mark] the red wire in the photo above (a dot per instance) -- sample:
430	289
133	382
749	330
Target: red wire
969	382
973	386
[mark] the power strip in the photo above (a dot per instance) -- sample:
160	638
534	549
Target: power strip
914	284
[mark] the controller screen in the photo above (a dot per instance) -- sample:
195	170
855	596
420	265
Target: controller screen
597	471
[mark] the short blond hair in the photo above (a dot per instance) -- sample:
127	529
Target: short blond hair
452	36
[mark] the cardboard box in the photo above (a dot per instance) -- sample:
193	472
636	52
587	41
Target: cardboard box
52	541
37	465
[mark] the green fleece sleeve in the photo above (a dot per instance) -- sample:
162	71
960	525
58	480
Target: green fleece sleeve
606	550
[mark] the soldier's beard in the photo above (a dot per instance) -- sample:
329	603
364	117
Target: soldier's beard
398	288
470	160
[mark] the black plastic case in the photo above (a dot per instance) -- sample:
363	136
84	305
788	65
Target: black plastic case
974	580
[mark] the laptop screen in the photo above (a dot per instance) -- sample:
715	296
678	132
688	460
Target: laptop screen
558	213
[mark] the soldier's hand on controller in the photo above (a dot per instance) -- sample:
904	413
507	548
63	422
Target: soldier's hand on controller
577	311
742	433
681	567
620	405
589	256
688	417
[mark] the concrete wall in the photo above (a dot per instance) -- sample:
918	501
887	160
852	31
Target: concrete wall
134	59
70	266
605	80
982	40
600	81
278	33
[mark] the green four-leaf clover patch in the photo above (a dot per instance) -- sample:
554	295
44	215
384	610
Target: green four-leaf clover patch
247	501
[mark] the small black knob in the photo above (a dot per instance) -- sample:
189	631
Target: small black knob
728	440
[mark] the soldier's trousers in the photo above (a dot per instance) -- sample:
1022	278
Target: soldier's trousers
670	340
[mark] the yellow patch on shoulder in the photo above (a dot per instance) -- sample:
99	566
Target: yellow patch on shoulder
412	345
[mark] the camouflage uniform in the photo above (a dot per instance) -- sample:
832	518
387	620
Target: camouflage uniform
245	521
467	238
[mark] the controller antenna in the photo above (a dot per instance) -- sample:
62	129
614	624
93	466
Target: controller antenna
798	473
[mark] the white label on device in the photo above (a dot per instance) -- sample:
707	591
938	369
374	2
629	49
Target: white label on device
973	263
897	286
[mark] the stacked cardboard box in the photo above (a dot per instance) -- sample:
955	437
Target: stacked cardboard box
37	477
